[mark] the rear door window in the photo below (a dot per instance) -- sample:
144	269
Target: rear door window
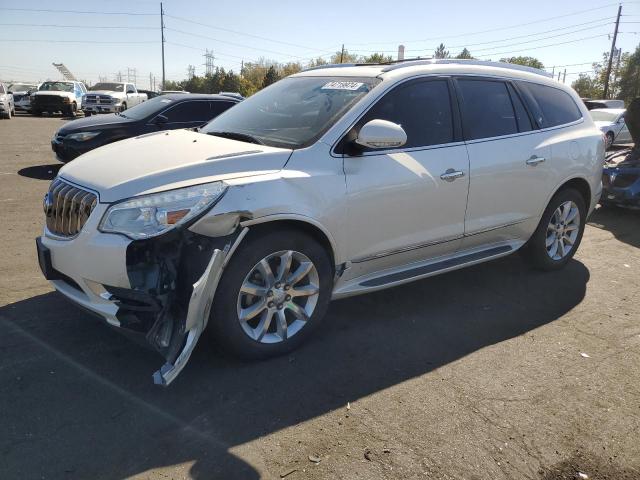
187	112
218	106
551	106
487	110
522	117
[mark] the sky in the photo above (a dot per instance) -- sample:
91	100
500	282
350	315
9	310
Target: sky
120	36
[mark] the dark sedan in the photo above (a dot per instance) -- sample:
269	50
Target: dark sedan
167	112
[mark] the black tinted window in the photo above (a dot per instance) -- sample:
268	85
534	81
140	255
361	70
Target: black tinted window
423	109
196	111
524	122
218	107
551	106
486	109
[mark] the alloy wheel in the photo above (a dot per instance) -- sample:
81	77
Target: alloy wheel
278	296
563	230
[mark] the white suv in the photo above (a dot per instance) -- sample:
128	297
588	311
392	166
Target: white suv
333	182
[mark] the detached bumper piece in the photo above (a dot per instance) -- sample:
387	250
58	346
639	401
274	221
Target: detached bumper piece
173	278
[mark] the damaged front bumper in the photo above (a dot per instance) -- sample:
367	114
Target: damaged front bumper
162	298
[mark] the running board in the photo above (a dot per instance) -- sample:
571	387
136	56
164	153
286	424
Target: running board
431	268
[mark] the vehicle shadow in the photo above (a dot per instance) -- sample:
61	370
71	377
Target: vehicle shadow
41	172
78	400
621	222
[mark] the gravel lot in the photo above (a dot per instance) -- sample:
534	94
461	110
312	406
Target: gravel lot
478	374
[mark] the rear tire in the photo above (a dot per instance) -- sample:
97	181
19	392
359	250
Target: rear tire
609	140
558	235
283	302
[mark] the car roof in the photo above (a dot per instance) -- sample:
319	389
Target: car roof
198	96
433	66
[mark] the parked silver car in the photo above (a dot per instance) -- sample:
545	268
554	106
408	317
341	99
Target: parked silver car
333	182
21	95
611	122
7	106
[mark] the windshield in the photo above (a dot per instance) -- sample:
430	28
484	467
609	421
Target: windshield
603	116
112	87
56	87
293	112
21	87
150	107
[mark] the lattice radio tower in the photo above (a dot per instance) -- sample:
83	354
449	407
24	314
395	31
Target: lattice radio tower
208	57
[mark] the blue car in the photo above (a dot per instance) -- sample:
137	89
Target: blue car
621	179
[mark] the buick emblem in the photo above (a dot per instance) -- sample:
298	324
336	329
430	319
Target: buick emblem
47	204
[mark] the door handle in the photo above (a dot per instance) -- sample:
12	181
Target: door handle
450	175
535	160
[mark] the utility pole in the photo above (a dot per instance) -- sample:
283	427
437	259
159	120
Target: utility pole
150	81
613	50
564	76
162	34
342	53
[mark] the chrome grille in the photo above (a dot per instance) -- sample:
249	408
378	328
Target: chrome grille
98	99
67	208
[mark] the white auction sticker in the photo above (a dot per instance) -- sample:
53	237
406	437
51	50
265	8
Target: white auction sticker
342	86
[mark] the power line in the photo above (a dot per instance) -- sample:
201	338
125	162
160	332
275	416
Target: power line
511	38
239	33
228	43
76	11
546	46
538	39
508	27
73	41
73	26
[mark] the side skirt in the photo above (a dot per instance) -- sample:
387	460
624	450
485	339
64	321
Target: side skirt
419	270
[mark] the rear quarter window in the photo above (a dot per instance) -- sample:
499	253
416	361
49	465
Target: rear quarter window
550	106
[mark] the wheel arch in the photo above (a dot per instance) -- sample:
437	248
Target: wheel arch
298	222
579	184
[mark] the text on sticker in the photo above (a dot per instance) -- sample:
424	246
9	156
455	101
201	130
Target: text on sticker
342	86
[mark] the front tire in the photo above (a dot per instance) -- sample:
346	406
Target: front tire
559	232
272	295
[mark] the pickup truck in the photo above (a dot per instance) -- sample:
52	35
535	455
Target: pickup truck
62	96
111	97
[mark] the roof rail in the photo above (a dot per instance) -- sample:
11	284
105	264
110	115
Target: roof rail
460	61
333	65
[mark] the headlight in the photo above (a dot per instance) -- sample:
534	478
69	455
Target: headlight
150	215
82	136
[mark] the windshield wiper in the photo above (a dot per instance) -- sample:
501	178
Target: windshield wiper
243	137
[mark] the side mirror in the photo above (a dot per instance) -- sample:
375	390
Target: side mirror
381	134
10	92
160	120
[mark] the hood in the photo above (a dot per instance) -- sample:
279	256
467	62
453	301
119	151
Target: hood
169	159
603	124
54	92
104	92
101	122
